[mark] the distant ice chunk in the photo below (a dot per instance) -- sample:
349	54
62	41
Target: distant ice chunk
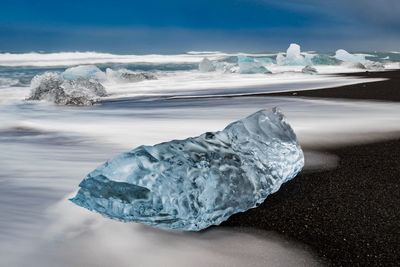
293	54
293	57
321	59
52	87
194	183
280	59
309	70
249	65
375	66
358	61
345	56
124	75
84	72
206	65
226	67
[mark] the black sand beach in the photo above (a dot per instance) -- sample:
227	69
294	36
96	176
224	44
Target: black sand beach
350	215
388	90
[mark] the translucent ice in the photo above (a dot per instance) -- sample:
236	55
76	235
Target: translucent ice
293	57
84	72
226	67
358	61
345	56
206	65
194	183
249	65
321	59
52	87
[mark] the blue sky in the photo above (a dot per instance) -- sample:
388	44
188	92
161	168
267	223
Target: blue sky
175	26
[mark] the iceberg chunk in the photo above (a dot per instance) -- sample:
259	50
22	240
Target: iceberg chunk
226	67
194	183
84	72
124	75
52	87
309	70
321	59
280	59
358	61
293	57
249	65
345	56
206	65
375	66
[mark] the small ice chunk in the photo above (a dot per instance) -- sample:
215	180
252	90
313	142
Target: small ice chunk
124	75
375	66
226	67
206	65
85	72
309	70
358	61
294	52
249	65
201	181
280	59
293	57
345	56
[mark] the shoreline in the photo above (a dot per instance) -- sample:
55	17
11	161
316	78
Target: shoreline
347	215
387	90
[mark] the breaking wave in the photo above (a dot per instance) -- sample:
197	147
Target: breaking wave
184	61
8	82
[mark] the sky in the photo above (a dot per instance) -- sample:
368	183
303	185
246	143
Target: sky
157	26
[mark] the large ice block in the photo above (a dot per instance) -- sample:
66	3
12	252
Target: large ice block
194	183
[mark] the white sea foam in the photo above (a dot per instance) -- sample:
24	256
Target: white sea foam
78	58
7	82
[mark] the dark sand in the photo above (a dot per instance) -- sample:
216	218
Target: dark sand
387	90
350	216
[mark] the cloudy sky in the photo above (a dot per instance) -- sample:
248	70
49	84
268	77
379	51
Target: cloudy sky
128	26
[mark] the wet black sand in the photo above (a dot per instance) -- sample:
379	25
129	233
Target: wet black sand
350	216
388	90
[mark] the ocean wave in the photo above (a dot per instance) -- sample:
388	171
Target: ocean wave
8	82
151	61
80	58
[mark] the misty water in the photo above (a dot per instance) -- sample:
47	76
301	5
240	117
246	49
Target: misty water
47	149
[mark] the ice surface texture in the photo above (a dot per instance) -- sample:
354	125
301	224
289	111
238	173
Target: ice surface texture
194	183
52	87
249	65
345	56
293	57
84	72
358	61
